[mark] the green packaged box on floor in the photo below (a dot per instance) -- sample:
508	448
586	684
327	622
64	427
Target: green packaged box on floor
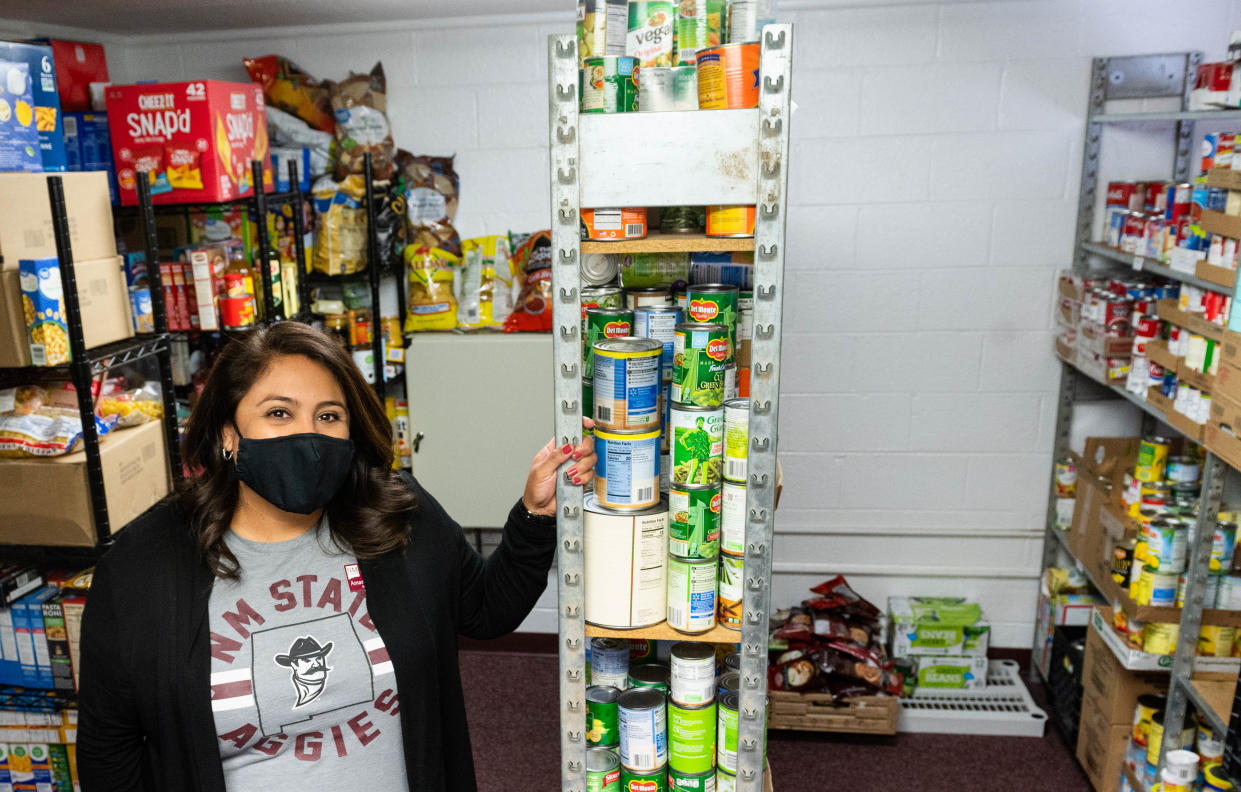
961	672
937	626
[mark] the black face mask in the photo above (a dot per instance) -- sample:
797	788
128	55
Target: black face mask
297	473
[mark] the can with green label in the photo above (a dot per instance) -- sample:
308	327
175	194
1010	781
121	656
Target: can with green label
602	725
652	675
699	359
691	737
736	439
725	781
654	781
726	731
650	38
700	25
690	782
609	84
603	773
696	436
691	594
601	323
694	520
588	402
715	303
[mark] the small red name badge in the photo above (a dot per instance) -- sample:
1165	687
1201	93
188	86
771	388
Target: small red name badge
354	575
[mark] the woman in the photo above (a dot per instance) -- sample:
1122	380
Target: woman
293	616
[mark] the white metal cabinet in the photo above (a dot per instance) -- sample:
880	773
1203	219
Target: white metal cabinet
482	405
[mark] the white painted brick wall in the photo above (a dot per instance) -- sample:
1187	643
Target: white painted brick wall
933	191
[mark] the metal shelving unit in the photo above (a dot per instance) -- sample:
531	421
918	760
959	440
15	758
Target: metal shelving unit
1144	77
605	160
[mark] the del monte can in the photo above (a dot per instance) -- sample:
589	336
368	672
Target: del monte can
700	355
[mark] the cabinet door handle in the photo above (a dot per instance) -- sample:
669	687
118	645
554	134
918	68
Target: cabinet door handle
418	441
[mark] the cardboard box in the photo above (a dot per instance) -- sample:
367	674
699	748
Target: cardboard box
88	147
19	131
959	672
48	120
103	299
55	507
1093	339
78	64
1227	382
1112	689
941	626
1101	747
1169	311
196	139
27	228
1220	223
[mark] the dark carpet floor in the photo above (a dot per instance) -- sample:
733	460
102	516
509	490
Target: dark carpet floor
514	725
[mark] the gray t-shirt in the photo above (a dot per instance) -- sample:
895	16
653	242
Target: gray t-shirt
301	685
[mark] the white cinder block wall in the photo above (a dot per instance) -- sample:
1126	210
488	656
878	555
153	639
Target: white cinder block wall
935	164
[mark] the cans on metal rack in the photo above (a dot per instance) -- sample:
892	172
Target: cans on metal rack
691	737
598	270
608	225
609	662
726	732
731	591
625	558
609	84
649	295
730	221
728	77
627	380
1152	458
600	296
715	303
696	440
603	773
736	439
649	675
602	727
699	360
692	675
666	88
659	322
728	681
732	518
699	25
650	37
654	781
600	323
601	27
643	730
691	595
694	520
627	468
691	782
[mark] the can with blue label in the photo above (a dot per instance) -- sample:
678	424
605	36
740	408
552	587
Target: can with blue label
691	594
659	322
627	468
643	730
627	380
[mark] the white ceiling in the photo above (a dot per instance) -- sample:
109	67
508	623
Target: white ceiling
136	17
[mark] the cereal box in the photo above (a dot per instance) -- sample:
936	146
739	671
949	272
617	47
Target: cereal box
195	140
47	116
19	137
43	302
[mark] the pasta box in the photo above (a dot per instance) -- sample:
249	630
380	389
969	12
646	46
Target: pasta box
41	80
195	140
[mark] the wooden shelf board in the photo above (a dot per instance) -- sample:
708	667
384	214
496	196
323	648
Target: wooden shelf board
1218	694
671	243
662	632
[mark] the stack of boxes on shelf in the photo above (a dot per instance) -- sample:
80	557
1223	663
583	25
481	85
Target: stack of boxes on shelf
942	641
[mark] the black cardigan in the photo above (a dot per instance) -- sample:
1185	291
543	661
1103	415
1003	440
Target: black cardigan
145	701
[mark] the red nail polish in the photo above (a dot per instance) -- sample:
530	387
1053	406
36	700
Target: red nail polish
567	448
573	472
577	454
577	480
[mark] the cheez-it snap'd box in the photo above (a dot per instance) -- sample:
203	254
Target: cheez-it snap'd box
195	140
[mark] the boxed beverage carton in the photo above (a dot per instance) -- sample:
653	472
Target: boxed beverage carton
195	140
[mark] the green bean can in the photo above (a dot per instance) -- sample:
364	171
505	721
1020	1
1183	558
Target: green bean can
715	303
588	402
700	355
602	726
691	782
691	737
726	731
694	520
601	323
736	439
652	675
603	772
696	435
654	781
609	85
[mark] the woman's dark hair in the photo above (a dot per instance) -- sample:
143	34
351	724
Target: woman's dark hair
370	514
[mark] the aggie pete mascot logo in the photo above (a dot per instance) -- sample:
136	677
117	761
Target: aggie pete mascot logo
308	662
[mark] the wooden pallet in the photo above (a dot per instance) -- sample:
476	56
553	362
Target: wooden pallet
819	712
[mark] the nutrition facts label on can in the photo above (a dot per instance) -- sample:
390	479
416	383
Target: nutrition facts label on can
633	470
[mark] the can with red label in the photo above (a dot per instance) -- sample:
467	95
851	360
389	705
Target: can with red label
1182	200
1120	193
237	313
1145	330
613	224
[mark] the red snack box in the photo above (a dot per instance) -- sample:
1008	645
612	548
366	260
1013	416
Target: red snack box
196	139
78	64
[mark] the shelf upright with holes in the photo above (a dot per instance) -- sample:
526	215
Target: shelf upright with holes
705	157
1139	78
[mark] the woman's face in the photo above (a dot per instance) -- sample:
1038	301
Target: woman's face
295	395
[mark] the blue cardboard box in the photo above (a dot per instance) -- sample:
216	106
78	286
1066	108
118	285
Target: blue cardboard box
19	137
88	147
49	125
280	159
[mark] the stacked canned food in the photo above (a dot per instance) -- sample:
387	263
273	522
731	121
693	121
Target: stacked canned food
1183	768
656	726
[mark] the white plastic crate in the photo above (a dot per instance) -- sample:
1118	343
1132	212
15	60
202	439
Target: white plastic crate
1003	709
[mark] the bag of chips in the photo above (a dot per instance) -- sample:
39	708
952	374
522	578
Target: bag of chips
293	90
133	407
289	131
485	285
532	264
340	245
432	304
360	105
432	194
45	431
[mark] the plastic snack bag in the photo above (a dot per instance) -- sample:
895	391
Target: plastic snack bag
360	105
432	194
432	304
340	245
485	286
135	406
293	90
533	264
46	431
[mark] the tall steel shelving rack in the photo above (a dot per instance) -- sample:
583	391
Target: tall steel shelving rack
1136	78
692	158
